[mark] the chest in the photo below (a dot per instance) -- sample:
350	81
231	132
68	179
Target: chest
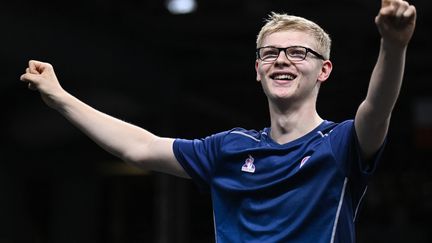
270	169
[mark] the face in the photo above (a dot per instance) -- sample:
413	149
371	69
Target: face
283	80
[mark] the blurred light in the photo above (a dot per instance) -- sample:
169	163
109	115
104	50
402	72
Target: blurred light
181	6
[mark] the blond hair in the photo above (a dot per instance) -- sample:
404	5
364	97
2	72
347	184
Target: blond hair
281	22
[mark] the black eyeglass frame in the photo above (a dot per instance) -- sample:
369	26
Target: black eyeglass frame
284	49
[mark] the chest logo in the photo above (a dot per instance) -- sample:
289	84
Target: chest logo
249	165
304	160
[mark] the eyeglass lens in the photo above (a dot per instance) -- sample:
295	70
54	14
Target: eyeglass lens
293	53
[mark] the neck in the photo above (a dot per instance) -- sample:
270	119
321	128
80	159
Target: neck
291	122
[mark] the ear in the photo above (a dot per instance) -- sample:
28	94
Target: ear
258	77
325	71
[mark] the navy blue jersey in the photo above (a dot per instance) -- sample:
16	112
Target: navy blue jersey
307	190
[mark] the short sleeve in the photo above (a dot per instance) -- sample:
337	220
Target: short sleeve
347	149
347	152
197	157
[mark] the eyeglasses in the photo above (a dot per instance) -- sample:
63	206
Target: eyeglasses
293	53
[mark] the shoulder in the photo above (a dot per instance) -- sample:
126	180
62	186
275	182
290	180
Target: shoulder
346	126
341	134
329	126
235	135
241	133
240	138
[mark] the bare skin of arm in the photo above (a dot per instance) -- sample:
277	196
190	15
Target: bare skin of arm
124	140
396	23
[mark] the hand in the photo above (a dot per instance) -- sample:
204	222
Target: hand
396	21
40	76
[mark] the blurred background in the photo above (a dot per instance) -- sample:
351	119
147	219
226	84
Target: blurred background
184	70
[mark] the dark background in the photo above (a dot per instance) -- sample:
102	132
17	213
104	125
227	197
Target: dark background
184	76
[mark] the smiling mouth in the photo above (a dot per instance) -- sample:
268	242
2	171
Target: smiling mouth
283	76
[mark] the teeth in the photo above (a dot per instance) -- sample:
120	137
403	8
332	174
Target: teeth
284	76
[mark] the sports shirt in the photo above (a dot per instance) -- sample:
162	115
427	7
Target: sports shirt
307	190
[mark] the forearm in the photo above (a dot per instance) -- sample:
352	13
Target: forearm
386	81
374	113
117	137
124	140
396	23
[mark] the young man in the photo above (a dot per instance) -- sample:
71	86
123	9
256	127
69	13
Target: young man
301	179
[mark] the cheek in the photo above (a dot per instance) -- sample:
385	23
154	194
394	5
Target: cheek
261	71
311	74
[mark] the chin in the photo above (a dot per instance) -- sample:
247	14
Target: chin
281	97
284	93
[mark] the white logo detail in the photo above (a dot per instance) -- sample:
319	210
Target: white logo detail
248	165
324	135
304	160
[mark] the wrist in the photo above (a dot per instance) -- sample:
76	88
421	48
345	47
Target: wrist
58	101
393	47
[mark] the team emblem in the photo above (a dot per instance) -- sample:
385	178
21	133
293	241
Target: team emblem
249	165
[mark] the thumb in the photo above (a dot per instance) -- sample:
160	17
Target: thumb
29	77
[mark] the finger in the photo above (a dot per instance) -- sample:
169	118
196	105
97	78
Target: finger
385	3
410	12
388	10
400	9
35	67
24	77
396	9
28	77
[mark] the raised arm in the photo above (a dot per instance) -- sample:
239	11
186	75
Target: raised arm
124	140
396	23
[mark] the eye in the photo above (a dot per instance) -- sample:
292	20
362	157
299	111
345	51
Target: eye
269	53
296	52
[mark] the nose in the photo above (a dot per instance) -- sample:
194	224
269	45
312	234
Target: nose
282	58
